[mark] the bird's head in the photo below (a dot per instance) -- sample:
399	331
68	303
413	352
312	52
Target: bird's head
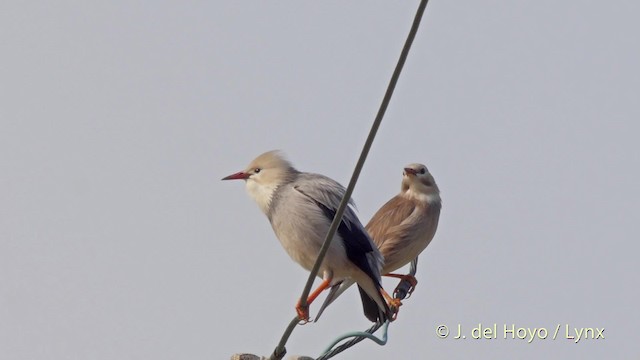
418	182
264	175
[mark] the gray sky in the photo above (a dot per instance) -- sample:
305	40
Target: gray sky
119	241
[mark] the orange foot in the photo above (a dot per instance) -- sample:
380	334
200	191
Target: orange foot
303	313
394	304
402	287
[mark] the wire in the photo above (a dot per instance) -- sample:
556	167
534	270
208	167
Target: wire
400	293
280	350
358	336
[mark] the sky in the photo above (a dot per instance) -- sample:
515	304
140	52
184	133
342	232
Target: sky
118	119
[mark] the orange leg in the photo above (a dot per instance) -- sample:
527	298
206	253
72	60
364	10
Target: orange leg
413	282
394	303
303	311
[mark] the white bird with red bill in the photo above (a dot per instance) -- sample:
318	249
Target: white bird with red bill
300	207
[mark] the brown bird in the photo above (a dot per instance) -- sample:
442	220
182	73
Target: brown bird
403	227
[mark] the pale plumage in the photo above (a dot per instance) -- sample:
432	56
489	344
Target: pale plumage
404	226
300	207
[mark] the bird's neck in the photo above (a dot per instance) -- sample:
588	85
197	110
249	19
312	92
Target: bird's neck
423	197
262	194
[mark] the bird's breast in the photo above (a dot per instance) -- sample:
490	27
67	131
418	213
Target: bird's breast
301	229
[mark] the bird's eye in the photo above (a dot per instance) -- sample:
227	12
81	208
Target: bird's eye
257	170
423	170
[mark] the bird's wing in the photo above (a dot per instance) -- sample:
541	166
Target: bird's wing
327	193
324	190
397	224
389	216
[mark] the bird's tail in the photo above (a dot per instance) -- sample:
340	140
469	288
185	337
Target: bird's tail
372	309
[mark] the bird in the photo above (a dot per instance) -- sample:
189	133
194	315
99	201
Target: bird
403	227
300	207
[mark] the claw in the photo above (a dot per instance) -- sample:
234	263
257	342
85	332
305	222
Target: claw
303	311
403	288
303	314
394	305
